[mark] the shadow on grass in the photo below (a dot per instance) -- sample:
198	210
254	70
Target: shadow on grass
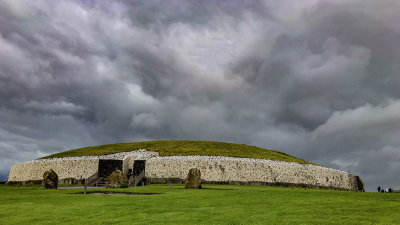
116	193
218	189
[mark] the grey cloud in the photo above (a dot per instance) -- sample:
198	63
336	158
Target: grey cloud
160	14
368	127
316	79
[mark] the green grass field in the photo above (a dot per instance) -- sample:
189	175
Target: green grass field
168	148
215	204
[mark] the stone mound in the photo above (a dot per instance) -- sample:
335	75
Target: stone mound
50	179
117	179
193	179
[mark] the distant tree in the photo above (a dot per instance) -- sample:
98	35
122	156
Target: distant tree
379	188
382	191
390	190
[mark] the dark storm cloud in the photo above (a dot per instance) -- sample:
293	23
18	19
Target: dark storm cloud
161	14
316	79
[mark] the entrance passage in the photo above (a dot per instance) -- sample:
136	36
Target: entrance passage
138	172
138	167
107	166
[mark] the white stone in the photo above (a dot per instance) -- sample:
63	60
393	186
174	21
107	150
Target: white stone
213	168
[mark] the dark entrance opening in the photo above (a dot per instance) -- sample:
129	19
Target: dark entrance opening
107	166
138	167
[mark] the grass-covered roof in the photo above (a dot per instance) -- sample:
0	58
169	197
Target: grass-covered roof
182	148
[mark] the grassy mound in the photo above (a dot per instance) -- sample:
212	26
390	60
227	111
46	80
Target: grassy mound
170	148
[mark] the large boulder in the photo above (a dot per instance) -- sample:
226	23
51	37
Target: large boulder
50	179
193	179
117	179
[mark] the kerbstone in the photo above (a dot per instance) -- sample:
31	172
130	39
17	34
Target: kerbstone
117	179
193	179
50	179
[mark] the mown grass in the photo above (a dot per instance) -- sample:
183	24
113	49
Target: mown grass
215	204
169	148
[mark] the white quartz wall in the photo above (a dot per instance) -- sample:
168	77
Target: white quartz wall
225	169
141	154
213	168
65	168
73	167
128	163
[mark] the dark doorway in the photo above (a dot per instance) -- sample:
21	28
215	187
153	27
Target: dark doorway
107	166
138	167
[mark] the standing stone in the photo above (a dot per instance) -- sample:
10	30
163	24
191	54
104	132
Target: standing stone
117	179
193	179
50	179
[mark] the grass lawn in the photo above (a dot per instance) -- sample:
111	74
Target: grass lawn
169	148
215	204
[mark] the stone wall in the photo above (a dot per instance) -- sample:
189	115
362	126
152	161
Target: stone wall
128	163
72	167
141	154
216	169
65	168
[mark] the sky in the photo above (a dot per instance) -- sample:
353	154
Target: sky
317	79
